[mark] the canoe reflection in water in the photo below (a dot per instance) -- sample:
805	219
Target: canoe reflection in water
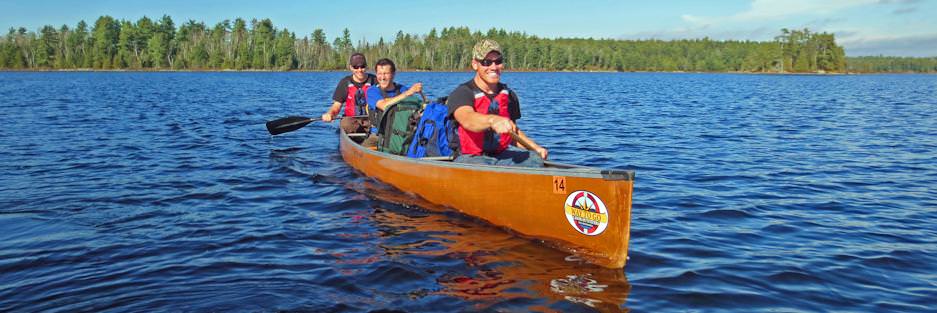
497	265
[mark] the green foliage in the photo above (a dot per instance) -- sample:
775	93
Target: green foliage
262	39
259	45
46	47
242	45
156	50
105	36
284	50
880	64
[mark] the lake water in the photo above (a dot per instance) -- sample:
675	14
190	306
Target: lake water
152	192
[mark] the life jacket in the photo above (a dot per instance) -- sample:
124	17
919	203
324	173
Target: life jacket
432	132
356	102
487	141
375	114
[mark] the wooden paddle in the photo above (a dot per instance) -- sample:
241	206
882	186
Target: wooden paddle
288	124
425	102
522	141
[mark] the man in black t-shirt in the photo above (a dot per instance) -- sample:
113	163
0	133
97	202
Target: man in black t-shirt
352	92
486	111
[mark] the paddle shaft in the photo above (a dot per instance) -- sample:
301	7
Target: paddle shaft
523	141
305	121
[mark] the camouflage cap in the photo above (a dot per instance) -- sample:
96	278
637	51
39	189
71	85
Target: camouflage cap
482	48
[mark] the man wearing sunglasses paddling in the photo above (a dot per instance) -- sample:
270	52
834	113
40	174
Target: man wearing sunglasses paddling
486	111
352	92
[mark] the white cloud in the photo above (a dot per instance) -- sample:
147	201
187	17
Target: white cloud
772	9
863	27
691	19
762	10
898	1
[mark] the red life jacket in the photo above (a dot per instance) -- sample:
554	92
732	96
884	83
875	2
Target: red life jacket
487	141
355	103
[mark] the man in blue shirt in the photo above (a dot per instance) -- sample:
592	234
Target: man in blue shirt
388	92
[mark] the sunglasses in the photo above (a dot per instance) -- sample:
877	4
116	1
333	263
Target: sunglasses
358	67
487	62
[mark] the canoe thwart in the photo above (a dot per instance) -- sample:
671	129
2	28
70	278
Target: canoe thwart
438	158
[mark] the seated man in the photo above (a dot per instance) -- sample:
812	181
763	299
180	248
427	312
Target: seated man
389	92
352	92
386	93
485	111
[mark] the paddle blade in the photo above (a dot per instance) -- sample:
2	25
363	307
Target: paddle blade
287	124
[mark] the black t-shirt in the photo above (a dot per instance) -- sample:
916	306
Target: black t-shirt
341	91
464	95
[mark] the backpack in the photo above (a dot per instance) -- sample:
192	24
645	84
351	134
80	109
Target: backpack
397	125
432	132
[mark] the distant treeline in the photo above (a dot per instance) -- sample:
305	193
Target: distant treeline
883	64
148	44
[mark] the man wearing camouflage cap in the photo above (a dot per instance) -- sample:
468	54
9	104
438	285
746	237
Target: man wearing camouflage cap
486	112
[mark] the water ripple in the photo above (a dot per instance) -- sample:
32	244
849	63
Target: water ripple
163	192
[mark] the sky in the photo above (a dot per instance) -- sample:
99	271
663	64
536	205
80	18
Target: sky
862	27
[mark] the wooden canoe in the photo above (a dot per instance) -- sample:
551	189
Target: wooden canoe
584	210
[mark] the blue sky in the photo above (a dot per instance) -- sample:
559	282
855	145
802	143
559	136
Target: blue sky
863	27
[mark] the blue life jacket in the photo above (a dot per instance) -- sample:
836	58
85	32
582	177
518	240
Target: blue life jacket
432	132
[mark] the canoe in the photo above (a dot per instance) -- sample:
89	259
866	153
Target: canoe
583	210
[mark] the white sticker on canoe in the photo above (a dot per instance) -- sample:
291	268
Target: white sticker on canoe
586	212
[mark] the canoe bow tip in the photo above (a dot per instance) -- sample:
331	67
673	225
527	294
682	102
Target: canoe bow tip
618	175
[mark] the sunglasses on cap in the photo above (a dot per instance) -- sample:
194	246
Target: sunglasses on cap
358	67
487	62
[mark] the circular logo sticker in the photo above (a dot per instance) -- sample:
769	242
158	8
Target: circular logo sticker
586	212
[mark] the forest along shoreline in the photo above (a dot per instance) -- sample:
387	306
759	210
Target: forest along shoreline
92	70
257	45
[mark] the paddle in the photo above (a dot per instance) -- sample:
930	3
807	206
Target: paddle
425	102
288	124
522	141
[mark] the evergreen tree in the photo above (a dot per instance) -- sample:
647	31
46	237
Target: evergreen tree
242	44
105	37
284	50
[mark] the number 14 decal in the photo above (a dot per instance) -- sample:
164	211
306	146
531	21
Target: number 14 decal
559	184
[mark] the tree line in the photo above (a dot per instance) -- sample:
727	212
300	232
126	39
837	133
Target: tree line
883	64
148	44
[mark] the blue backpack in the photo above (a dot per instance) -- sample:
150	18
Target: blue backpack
432	132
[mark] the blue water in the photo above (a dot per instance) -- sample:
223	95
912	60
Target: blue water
152	192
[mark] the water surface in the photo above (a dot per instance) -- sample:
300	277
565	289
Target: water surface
163	192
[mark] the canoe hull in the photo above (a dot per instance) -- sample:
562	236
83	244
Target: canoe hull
583	210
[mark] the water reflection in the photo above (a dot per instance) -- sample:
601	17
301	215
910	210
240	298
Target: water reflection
493	265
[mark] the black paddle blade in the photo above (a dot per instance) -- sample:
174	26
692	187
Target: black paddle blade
287	124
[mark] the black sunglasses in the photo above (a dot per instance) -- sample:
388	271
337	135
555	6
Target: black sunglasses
487	62
358	67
